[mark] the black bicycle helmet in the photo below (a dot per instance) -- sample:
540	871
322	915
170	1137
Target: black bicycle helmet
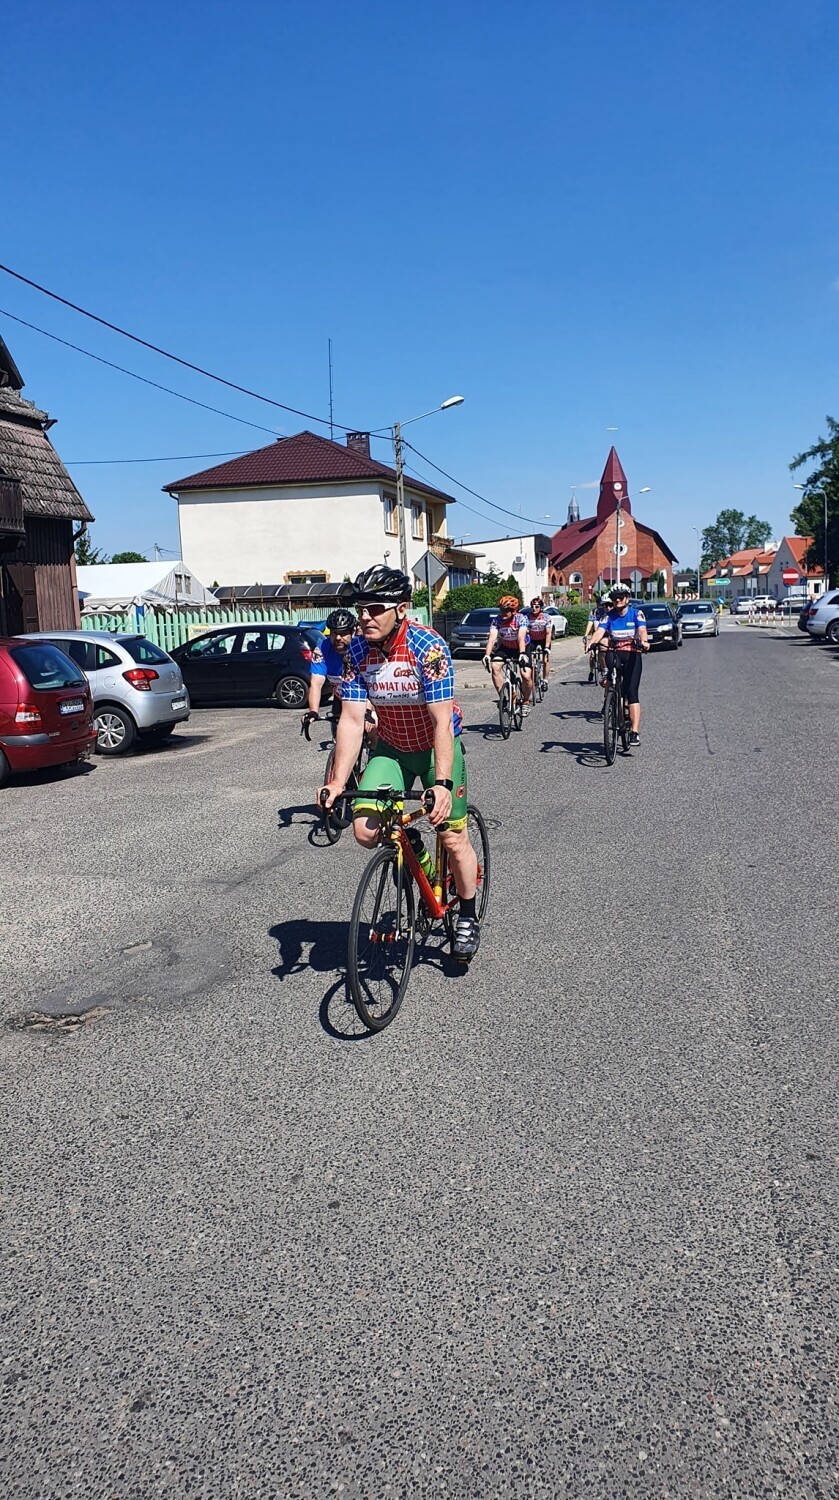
381	585
341	622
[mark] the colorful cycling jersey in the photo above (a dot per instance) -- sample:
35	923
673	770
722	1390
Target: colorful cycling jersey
327	662
416	670
539	628
622	629
508	635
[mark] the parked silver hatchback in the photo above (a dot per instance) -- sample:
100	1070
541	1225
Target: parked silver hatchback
137	689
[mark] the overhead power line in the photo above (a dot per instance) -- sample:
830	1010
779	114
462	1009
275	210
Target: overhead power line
166	354
461	486
134	376
172	458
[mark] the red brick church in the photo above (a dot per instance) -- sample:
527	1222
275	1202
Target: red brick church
583	553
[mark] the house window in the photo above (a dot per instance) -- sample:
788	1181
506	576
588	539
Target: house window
391	524
183	583
416	521
458	577
306	578
575	579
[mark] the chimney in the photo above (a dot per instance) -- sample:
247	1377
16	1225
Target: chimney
359	442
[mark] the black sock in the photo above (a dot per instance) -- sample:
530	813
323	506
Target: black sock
467	906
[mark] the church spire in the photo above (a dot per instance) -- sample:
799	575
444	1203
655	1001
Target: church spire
613	487
573	510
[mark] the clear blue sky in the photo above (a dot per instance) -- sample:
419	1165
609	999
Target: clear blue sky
579	216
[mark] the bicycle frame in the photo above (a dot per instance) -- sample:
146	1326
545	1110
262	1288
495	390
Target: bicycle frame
432	896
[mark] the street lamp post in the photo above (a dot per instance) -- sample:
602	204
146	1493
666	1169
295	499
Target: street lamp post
698	574
823	494
398	445
645	490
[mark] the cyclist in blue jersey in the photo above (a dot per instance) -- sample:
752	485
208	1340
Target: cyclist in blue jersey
625	632
329	660
508	637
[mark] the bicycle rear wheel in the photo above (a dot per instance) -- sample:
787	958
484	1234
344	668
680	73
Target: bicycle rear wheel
476	831
624	728
610	725
505	710
381	941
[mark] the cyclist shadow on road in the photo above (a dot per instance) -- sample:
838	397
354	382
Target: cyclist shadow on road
585	755
298	817
306	945
592	715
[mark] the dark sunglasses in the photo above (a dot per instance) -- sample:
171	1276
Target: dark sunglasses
373	610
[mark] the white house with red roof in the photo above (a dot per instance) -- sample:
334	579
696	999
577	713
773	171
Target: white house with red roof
305	510
759	570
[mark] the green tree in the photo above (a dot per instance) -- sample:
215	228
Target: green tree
731	532
86	553
128	557
511	586
492	576
821	490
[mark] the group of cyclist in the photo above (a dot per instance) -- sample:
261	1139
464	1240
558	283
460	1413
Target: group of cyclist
379	662
514	636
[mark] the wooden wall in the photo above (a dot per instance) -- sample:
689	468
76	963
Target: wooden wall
46	561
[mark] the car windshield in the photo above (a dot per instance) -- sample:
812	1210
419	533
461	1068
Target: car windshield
142	650
46	668
656	612
479	617
696	609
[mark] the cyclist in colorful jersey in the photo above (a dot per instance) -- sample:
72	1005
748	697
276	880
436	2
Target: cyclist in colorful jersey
328	660
540	630
508	637
625	633
406	672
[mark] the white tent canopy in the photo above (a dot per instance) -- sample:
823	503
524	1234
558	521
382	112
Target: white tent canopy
161	585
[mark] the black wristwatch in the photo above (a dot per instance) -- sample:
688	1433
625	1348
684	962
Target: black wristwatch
442	781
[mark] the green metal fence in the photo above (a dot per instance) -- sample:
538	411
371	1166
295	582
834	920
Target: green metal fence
171	628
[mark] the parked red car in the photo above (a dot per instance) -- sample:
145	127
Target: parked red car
46	711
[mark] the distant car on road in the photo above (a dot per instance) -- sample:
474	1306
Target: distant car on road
663	627
249	664
46	711
470	636
699	617
138	691
822	621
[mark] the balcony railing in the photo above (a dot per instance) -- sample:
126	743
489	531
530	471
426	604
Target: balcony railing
12	529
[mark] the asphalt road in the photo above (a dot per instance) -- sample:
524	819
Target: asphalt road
567	1228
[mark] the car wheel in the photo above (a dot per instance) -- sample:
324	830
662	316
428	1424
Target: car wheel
291	692
832	633
5	769
115	730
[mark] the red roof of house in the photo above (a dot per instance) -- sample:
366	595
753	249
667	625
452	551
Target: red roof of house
304	458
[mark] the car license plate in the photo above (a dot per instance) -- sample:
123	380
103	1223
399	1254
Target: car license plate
178	703
72	706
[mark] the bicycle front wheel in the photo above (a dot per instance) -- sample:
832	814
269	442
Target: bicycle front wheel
518	707
381	941
505	710
610	725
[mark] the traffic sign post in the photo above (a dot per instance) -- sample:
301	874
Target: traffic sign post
790	576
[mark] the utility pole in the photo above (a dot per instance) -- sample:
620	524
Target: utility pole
618	541
400	496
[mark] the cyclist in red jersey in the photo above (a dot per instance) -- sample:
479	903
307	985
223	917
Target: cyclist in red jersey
541	629
508	637
405	669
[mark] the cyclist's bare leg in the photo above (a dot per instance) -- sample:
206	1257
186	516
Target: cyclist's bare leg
497	675
366	830
526	684
634	717
463	861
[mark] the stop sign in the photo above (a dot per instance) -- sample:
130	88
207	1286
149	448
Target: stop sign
790	575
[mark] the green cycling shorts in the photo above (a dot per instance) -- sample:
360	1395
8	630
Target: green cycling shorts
400	769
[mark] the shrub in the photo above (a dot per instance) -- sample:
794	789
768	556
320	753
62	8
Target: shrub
577	617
